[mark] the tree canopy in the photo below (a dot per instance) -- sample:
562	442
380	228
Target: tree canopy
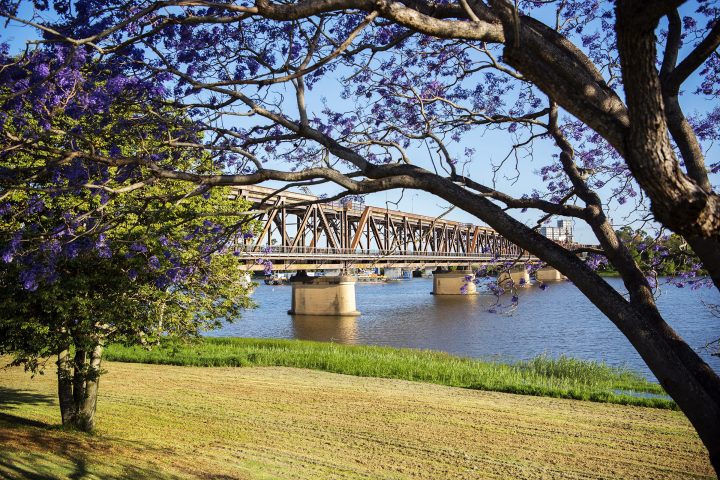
595	93
92	255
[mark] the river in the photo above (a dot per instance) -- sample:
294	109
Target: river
555	321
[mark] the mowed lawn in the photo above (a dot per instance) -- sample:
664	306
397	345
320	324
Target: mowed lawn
160	421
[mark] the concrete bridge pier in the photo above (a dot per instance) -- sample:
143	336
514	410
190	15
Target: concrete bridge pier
323	295
458	282
518	274
549	274
393	273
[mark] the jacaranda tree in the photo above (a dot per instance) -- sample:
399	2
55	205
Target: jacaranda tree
89	257
382	94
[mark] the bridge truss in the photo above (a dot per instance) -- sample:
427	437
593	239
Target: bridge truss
302	232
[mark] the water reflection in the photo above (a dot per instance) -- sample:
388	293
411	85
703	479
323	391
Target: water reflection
325	328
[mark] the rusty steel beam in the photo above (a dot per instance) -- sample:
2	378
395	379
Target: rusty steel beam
299	217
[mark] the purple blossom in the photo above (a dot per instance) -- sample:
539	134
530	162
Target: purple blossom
8	255
41	70
153	263
29	280
35	205
138	247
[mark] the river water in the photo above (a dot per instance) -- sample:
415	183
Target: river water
557	320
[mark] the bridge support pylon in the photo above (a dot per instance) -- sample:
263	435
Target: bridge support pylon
323	295
518	274
458	282
549	274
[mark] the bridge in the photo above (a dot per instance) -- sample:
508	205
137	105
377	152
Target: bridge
302	232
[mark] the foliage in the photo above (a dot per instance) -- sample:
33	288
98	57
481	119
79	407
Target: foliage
123	261
130	266
666	256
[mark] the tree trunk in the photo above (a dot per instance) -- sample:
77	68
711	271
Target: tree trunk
88	402
78	382
678	200
79	375
65	388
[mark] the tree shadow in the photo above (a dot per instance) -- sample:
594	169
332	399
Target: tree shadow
37	450
34	449
34	467
49	453
21	421
10	397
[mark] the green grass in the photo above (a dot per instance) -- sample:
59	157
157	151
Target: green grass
176	422
542	376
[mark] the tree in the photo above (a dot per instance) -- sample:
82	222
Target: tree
661	256
602	85
84	267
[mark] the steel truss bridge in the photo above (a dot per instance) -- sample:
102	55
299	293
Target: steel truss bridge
301	232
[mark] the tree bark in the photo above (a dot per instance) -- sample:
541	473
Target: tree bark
678	200
65	388
79	375
88	402
78	382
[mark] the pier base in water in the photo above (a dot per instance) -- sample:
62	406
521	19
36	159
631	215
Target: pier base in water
519	276
459	282
323	295
549	274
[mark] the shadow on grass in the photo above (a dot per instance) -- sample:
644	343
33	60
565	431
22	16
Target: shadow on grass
10	397
38	466
14	420
33	449
48	452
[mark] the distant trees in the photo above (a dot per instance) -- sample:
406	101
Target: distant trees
592	96
666	256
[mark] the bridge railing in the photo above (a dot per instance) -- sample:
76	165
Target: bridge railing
279	251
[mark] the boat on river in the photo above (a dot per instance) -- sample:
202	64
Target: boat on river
371	278
276	280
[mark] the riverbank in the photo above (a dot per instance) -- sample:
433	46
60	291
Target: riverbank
542	376
158	421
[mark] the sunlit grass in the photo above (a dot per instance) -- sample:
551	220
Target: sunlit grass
542	376
177	422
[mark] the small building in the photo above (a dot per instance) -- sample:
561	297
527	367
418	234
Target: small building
563	232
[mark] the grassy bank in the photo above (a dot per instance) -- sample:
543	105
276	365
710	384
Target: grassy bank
168	422
542	376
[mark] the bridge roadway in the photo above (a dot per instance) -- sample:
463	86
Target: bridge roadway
303	232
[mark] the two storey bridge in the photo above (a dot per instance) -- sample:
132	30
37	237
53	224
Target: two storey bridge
301	232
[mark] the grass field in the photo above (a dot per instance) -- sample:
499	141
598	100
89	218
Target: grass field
543	376
161	421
